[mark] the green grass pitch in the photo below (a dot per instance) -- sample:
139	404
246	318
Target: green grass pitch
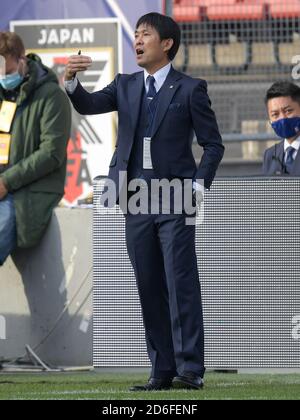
114	386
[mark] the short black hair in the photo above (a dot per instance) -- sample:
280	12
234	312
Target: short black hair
283	89
166	27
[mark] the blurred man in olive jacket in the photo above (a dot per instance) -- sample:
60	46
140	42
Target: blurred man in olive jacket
35	121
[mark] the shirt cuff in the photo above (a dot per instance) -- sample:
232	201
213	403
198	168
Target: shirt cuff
71	85
199	187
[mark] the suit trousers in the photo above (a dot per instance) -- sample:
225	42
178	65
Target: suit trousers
162	252
8	235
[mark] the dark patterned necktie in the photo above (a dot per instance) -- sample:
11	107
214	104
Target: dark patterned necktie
152	91
289	159
150	96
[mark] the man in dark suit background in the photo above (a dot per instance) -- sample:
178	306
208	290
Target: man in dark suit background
160	109
283	104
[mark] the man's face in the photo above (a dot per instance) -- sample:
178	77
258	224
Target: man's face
10	65
283	107
149	48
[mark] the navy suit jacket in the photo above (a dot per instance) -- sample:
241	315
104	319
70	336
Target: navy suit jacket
184	108
274	162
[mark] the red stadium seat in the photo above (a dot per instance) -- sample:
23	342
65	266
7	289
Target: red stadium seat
246	10
195	10
219	2
187	13
284	9
204	3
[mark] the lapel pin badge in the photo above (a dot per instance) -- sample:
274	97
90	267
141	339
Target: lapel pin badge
171	87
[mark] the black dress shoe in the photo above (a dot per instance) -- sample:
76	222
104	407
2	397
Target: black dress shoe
188	380
153	384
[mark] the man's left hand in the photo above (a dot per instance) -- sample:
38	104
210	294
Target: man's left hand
3	189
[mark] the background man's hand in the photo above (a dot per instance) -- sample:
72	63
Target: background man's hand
75	64
3	190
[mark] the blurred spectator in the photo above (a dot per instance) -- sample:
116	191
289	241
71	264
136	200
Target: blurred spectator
35	121
283	103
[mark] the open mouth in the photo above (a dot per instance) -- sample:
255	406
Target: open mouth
139	52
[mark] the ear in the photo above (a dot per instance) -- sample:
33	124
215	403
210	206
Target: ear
167	44
23	66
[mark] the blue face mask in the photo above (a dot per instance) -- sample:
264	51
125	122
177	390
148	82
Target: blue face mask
287	128
11	81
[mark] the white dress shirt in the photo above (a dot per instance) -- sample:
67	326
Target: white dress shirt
295	145
159	76
71	85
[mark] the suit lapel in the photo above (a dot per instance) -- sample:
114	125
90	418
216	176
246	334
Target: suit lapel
279	154
281	151
135	91
166	94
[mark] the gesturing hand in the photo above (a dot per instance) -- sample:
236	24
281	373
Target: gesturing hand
75	64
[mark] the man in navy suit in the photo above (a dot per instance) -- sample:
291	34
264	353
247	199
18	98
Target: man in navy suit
283	103
159	111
